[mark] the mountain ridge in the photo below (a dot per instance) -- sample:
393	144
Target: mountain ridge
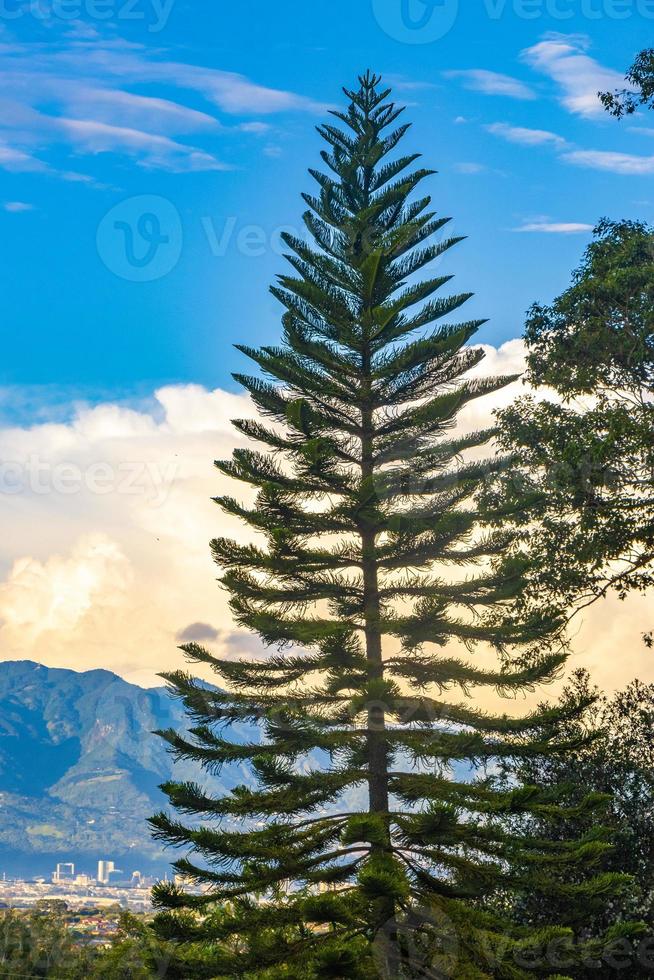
80	765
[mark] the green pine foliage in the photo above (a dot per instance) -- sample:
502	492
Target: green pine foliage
363	850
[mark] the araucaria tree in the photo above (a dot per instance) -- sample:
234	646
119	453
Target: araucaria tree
364	830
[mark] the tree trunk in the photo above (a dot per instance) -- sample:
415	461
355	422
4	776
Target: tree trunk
386	935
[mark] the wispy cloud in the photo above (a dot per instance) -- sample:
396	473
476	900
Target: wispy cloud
258	128
231	92
616	163
524	136
402	84
87	95
17	207
470	168
14	159
554	227
120	108
605	160
492	83
149	149
579	77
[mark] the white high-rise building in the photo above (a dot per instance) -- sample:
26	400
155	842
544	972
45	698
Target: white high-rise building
104	868
64	872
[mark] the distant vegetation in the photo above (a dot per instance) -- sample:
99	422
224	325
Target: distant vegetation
50	941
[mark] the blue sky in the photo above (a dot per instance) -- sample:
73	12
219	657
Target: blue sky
150	152
200	117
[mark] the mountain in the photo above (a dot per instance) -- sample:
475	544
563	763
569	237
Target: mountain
80	768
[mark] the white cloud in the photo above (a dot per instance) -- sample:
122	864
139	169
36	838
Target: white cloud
16	207
88	95
231	92
127	109
492	83
14	159
470	169
401	84
102	132
524	136
575	67
149	149
236	94
554	227
578	76
615	163
104	555
258	128
193	409
108	518
509	358
42	598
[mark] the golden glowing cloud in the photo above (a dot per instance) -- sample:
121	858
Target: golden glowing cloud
105	559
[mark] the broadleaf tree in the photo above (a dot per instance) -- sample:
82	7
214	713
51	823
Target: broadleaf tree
586	459
639	89
618	761
365	844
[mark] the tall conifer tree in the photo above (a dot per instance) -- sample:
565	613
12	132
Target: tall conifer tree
372	562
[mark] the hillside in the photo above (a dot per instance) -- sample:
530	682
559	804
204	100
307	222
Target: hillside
80	769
